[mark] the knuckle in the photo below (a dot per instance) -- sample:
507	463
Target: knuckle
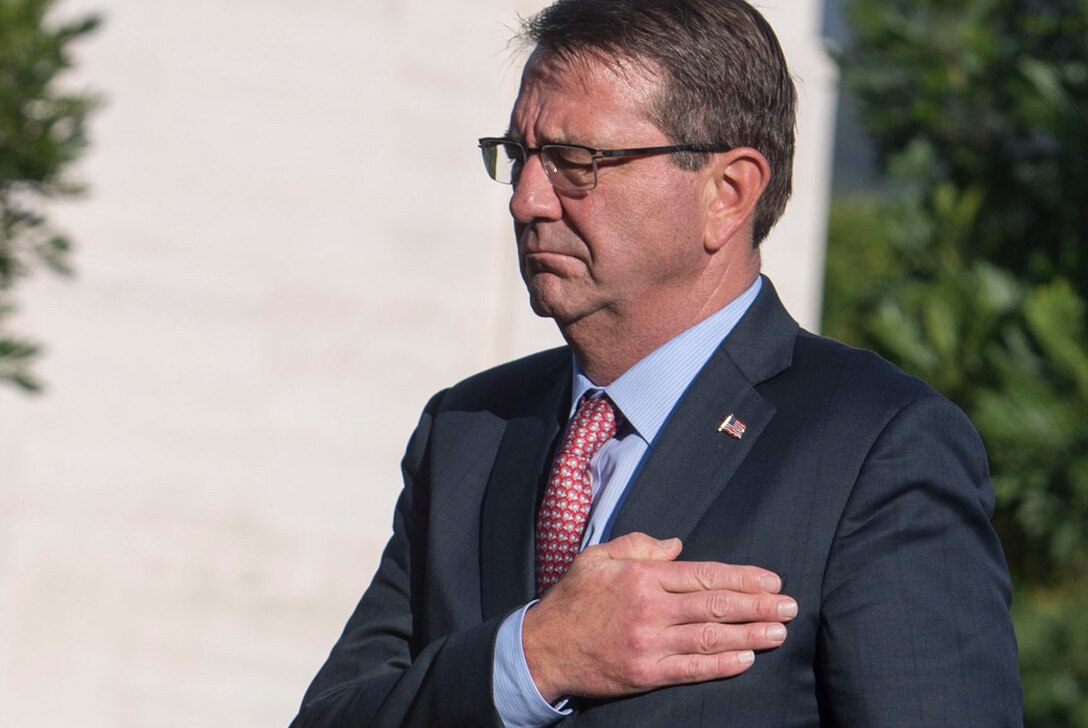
640	640
767	610
639	674
719	606
752	580
705	575
692	670
710	639
756	636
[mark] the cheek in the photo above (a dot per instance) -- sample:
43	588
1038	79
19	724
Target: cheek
662	223
640	227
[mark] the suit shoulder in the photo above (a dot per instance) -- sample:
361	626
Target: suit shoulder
832	382
852	374
501	386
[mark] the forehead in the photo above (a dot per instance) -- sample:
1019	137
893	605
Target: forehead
564	98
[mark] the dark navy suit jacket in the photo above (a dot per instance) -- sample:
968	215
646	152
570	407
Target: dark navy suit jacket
863	488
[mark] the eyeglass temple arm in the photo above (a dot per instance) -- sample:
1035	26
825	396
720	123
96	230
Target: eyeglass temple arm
705	148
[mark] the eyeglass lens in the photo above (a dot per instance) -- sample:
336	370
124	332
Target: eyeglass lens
568	168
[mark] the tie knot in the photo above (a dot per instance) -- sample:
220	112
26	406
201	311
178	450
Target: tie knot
593	424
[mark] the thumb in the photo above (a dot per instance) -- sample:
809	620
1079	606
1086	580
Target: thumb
642	546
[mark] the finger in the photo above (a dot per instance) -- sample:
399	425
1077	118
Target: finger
641	546
727	607
710	638
681	669
690	576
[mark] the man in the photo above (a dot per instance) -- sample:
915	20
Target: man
725	472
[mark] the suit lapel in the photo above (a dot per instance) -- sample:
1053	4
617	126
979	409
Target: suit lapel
509	507
692	462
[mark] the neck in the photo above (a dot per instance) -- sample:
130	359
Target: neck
608	343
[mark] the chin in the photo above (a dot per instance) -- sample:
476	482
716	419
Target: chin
561	312
552	297
542	308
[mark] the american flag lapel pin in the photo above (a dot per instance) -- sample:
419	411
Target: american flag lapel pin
733	426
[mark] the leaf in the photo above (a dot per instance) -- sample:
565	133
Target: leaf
43	130
1056	316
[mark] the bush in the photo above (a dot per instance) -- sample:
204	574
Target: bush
42	132
969	268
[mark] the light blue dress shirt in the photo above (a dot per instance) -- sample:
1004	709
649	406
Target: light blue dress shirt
645	395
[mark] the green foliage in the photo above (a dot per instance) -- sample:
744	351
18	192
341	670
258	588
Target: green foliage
969	269
42	131
1053	633
992	94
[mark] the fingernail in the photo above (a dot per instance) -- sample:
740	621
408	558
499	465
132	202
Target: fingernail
776	632
787	608
746	658
770	583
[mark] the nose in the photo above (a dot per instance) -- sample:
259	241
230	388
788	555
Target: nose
534	196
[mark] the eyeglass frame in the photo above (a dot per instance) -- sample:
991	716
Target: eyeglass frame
486	143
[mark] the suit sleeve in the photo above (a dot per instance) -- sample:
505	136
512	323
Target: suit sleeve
915	626
378	674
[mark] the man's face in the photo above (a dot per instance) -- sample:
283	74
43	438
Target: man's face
632	245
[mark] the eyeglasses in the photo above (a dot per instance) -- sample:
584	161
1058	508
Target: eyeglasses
569	167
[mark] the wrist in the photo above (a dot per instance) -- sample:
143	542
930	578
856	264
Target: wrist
538	657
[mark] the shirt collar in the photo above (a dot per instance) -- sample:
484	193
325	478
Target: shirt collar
647	392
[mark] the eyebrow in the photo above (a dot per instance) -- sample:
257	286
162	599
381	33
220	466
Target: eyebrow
510	134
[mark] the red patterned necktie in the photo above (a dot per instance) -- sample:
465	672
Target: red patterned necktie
569	495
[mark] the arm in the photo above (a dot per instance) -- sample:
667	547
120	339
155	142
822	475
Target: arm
378	674
915	626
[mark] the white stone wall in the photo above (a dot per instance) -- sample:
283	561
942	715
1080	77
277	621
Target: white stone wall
289	245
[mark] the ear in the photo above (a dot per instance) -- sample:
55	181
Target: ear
738	178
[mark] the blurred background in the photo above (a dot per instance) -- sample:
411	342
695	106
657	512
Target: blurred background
211	357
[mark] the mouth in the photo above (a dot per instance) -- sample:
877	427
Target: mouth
544	257
546	262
